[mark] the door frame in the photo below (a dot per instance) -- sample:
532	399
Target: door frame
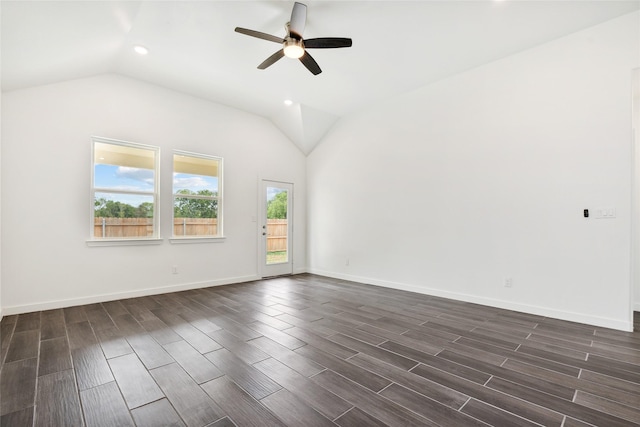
281	269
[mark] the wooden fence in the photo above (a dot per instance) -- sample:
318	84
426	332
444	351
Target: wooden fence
276	235
111	228
195	226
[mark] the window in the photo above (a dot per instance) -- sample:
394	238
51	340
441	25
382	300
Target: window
124	190
197	195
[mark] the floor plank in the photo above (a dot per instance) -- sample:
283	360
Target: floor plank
135	382
278	336
361	376
160	332
325	344
27	322
198	339
52	325
158	413
506	402
442	415
6	333
495	416
288	357
380	353
112	342
294	411
88	360
189	400
631	413
24	345
18	385
55	356
245	352
559	405
246	376
57	402
23	417
75	314
243	409
304	388
195	364
358	418
104	407
370	402
435	391
151	353
98	317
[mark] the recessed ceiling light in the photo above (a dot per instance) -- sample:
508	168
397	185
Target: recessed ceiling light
141	49
288	102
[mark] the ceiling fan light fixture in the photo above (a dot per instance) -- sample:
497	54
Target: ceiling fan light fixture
293	48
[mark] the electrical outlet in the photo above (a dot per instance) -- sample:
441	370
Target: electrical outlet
174	269
508	282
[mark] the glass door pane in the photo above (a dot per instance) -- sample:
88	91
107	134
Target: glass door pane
276	230
277	238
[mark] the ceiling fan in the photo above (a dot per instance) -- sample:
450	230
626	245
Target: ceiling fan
293	45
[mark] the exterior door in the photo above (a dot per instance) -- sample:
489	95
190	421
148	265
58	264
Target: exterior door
276	226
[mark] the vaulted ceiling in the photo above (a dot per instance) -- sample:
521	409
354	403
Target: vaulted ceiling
398	46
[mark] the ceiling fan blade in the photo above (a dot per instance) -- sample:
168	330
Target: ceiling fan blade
327	43
298	20
310	63
258	34
271	60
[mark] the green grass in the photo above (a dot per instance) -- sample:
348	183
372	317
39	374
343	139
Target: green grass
276	256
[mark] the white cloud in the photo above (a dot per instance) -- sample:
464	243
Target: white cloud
190	181
136	174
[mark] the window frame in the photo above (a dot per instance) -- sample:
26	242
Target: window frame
155	237
219	237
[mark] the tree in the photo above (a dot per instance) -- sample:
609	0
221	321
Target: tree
277	207
145	210
112	209
188	207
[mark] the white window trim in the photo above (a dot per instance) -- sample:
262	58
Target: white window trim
197	239
125	242
153	240
220	237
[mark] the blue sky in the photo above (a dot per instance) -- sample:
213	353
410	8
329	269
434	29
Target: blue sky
272	191
137	179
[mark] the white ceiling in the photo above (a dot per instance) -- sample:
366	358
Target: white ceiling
397	46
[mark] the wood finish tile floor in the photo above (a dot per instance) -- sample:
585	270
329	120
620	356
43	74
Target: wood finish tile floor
311	351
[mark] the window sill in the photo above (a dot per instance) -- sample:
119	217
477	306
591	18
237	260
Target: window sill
196	239
125	242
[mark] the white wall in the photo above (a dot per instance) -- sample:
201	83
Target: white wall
1	312
46	164
450	189
635	188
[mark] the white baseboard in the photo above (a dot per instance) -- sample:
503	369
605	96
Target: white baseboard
50	305
507	305
300	270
